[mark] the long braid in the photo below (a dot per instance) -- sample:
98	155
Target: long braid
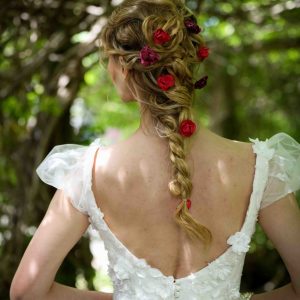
181	186
129	29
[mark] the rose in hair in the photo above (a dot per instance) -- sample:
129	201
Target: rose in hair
187	128
188	203
166	81
192	26
160	37
203	53
201	83
148	56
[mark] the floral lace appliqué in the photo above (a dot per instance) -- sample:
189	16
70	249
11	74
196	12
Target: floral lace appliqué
240	242
262	147
220	269
234	294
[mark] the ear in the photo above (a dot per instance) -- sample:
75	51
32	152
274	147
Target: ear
125	71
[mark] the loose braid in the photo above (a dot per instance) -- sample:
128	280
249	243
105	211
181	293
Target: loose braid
131	27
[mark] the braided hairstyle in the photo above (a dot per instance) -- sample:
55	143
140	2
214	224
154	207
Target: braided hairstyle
128	30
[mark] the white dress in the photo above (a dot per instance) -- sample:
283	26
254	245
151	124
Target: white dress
277	173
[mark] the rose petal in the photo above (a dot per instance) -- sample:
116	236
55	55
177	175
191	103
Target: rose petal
166	81
148	56
203	52
187	128
160	36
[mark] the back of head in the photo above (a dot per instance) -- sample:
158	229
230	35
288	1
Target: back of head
134	26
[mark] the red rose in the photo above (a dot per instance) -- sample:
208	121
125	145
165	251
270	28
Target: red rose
148	56
188	203
203	53
166	81
160	36
187	128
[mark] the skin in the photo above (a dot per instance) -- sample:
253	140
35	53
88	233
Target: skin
118	76
139	210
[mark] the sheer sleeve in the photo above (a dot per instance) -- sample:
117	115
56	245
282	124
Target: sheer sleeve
66	167
284	168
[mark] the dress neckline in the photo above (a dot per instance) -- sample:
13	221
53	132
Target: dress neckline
100	215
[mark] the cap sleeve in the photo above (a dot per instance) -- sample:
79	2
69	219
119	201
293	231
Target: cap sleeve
284	168
68	167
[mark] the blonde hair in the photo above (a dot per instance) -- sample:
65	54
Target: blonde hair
128	30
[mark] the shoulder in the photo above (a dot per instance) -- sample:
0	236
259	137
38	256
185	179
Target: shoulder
242	168
231	161
108	157
232	151
278	145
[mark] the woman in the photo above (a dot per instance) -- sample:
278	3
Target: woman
175	204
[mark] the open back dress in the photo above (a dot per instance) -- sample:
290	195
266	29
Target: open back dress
277	172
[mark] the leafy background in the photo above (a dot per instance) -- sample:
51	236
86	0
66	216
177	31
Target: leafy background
53	91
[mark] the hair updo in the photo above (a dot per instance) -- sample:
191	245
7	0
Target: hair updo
128	30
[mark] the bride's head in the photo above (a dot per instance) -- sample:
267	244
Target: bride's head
153	47
131	27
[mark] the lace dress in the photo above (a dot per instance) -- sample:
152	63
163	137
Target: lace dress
277	173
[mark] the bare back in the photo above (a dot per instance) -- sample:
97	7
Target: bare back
130	184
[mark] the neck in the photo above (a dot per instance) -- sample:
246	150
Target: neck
147	124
